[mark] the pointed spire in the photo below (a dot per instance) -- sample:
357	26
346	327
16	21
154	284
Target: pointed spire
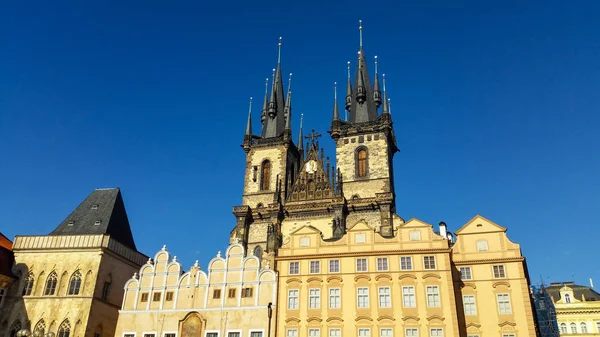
249	124
376	91
349	91
288	105
272	110
301	138
263	115
360	33
361	92
279	50
364	109
390	105
386	107
336	112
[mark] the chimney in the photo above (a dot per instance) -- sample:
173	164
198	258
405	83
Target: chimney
443	230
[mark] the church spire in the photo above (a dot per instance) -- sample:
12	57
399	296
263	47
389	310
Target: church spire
376	91
363	107
249	124
386	107
349	91
288	106
301	139
263	116
275	116
336	112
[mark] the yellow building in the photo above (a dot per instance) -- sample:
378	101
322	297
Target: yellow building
233	299
70	282
577	308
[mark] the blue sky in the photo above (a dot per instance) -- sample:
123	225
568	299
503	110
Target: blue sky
495	105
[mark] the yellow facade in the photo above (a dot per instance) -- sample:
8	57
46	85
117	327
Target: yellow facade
232	299
577	309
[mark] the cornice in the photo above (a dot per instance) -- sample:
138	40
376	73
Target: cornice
372	253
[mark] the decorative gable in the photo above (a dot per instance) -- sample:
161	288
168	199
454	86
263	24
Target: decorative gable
479	225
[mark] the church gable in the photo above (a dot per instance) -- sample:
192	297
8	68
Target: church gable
479	225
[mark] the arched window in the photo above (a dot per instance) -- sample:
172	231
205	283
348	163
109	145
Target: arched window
50	284
482	246
415	236
361	163
65	329
265	176
28	285
14	328
573	328
583	328
567	298
40	326
563	328
258	252
75	283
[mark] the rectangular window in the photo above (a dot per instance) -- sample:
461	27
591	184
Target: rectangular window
144	297
304	242
169	296
314	298
472	335
382	264
385	297
509	335
291	333
293	299
128	335
105	290
499	271
429	262
231	293
169	335
408	297
294	268
598	326
412	332
334	266
2	294
504	304
363	297
335	332
361	265
315	267
406	263
386	333
217	293
247	292
437	332
465	273
334	298
415	236
149	335
360	238
433	296
233	334
256	333
212	334
469	305
364	332
314	332
156	297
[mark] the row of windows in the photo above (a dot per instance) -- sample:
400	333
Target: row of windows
502	301
573	328
52	283
362	265
466	273
366	332
208	334
64	330
156	296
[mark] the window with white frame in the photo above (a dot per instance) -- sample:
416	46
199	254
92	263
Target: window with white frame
130	335
504	304
294	268
573	328
334	298
499	271
465	273
415	236
293	299
429	262
437	332
567	298
382	264
304	242
360	238
563	328
385	297
315	267
408	297
583	328
314	332
256	334
385	332
169	334
508	335
149	335
433	296
291	333
598	326
335	332
405	262
411	332
334	266
363	297
234	334
314	298
469	305
364	332
482	246
361	265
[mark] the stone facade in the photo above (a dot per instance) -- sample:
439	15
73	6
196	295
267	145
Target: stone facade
577	309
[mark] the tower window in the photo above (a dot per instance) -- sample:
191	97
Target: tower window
75	283
50	284
361	162
265	176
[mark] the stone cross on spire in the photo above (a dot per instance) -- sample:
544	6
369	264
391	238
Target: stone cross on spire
313	136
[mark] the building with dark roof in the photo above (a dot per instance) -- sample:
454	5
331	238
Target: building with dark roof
70	282
577	308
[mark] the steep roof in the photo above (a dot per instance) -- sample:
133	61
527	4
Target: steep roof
578	291
102	212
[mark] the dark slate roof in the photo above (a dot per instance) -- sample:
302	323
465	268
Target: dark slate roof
578	291
102	212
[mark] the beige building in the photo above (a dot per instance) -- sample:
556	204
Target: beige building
70	282
577	309
232	299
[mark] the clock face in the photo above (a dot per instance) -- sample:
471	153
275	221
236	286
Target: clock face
311	166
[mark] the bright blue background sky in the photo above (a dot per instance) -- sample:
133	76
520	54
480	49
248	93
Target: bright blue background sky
496	111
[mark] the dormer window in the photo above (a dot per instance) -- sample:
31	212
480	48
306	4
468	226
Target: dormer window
95	206
304	242
567	298
482	246
415	236
97	223
71	223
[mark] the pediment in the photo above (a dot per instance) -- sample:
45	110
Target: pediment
480	224
415	223
360	226
306	230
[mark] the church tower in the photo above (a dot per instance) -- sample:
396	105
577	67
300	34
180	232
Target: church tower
365	145
272	163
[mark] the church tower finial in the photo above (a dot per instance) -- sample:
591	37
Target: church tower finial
288	106
349	91
249	124
386	107
263	116
363	107
336	112
272	111
275	121
301	139
376	91
360	33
